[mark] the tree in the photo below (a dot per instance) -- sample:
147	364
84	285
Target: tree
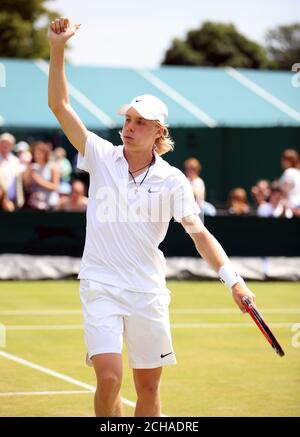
216	45
283	45
23	29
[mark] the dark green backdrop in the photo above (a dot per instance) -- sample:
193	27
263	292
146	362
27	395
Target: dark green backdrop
57	233
231	157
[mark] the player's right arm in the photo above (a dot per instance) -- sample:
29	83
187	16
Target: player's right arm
58	98
213	253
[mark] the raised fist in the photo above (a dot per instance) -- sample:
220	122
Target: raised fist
60	30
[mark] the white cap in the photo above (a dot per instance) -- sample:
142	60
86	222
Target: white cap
21	146
149	107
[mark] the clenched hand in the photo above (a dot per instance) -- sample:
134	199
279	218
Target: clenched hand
60	30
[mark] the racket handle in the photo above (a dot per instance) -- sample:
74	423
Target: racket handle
247	302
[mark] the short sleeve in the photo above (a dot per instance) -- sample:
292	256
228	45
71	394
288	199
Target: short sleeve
183	200
96	149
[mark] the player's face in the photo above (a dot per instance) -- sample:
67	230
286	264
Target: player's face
139	132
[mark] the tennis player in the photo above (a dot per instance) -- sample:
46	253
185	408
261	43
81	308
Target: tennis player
133	195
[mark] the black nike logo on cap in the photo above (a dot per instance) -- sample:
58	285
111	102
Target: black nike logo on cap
164	355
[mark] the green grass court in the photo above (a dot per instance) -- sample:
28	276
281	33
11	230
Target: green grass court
224	368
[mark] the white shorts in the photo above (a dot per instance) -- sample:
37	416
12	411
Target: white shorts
111	313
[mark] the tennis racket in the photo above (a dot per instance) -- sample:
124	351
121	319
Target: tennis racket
258	319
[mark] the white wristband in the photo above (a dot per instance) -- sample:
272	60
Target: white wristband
229	275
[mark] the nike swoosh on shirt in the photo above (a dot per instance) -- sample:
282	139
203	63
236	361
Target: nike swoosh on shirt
165	355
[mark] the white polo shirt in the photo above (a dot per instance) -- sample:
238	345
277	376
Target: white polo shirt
124	225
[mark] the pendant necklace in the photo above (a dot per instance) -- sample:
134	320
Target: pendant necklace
136	185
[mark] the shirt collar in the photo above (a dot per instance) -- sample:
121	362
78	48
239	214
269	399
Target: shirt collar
119	153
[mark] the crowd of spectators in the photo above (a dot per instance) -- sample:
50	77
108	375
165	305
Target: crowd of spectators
278	198
38	177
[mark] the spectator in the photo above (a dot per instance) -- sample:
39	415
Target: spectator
237	202
290	179
261	191
22	151
192	169
10	171
65	170
41	179
5	203
76	201
277	206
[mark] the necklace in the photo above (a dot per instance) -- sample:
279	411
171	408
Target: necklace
140	168
136	185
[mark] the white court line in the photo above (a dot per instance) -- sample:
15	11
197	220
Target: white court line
42	327
177	97
210	310
226	325
281	311
81	98
45	393
39	312
173	325
264	94
57	375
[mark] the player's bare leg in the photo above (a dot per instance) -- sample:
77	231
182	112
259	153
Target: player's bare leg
147	385
109	370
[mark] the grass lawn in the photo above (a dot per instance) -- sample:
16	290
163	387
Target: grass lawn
224	369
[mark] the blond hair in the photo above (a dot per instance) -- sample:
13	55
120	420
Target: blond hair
164	143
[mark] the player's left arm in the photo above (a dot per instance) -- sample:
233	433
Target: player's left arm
213	253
